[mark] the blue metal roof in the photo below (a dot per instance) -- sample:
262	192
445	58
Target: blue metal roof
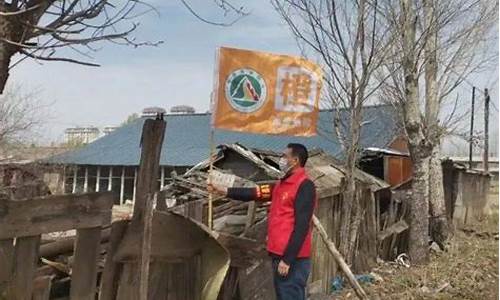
187	139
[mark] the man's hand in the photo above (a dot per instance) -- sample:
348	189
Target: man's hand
283	268
213	189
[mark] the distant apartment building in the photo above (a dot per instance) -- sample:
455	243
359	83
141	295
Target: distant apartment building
108	129
152	111
182	109
81	135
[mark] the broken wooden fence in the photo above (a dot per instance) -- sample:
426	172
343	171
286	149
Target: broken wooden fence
23	222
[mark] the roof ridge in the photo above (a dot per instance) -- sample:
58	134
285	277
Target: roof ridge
209	113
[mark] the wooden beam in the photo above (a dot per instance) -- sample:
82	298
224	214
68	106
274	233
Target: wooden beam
153	133
146	247
41	289
250	217
339	259
84	275
24	268
67	244
111	273
6	259
54	213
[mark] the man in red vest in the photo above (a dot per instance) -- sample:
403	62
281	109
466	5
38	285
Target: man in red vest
293	199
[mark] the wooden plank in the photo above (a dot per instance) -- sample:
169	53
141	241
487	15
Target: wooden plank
24	268
110	274
395	228
54	213
256	282
42	285
128	287
153	133
65	245
252	207
184	239
146	247
84	274
340	260
244	252
6	259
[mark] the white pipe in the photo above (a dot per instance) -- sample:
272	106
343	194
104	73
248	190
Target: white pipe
86	180
110	176
135	184
122	185
98	178
74	179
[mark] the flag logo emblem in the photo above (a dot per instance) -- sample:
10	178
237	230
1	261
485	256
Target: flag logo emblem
245	90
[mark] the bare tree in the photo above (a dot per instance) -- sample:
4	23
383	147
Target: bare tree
348	41
21	113
39	29
438	45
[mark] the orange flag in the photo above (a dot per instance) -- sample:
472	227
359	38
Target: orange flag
266	93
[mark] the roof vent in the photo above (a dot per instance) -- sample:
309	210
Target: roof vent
152	111
182	109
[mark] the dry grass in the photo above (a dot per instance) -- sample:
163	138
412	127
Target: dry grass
468	269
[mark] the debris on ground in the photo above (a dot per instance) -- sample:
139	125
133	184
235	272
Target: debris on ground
467	270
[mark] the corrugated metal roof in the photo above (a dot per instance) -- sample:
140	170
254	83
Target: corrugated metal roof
186	139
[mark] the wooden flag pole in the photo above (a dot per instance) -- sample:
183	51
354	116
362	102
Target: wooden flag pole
210	195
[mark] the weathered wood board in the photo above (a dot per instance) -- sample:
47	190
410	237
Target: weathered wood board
54	213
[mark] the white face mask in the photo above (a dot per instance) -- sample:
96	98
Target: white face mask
283	164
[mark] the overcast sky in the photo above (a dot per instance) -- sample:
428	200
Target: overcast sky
179	71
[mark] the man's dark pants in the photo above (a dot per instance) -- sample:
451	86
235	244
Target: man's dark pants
292	286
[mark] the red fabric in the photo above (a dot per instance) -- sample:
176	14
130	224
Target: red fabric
281	215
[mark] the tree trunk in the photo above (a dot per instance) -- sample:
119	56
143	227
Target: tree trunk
12	29
348	200
419	213
419	206
438	221
6	50
439	229
348	234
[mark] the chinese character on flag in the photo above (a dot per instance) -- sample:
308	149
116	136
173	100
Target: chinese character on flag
266	93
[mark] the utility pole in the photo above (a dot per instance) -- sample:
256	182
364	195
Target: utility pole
471	126
486	127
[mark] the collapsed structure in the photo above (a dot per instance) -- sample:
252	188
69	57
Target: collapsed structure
242	226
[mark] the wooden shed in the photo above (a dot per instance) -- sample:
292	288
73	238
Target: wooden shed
392	165
465	191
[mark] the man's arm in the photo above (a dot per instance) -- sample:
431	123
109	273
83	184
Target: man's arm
303	207
259	193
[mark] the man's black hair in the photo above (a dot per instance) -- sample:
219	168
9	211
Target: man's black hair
299	151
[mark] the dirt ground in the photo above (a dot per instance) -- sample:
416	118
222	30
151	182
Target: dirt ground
467	270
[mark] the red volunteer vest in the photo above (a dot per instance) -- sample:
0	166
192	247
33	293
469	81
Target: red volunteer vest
281	215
